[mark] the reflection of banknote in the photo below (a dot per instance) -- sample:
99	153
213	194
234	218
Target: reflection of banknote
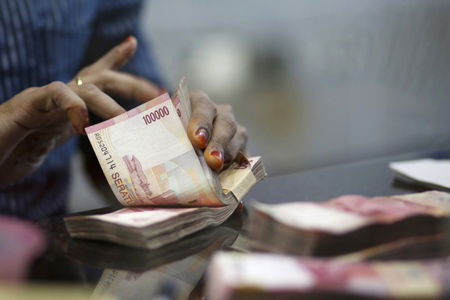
271	276
348	223
175	280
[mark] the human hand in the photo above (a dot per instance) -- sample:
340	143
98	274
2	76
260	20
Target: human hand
34	122
101	80
38	119
214	129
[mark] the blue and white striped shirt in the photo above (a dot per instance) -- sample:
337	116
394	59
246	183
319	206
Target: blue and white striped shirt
47	40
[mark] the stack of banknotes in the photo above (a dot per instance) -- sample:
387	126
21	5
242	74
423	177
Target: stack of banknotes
350	247
351	223
166	186
274	276
113	256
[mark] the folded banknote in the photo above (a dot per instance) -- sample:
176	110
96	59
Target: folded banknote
347	223
274	276
168	189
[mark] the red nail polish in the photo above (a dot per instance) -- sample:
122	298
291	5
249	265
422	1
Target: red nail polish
127	39
202	136
218	155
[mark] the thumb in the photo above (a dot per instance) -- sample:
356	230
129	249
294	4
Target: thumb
117	56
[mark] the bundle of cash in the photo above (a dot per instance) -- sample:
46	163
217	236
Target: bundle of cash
111	256
347	223
148	160
272	276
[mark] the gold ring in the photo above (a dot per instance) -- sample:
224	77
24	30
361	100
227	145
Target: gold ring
78	81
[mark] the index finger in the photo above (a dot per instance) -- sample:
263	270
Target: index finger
117	56
52	97
97	101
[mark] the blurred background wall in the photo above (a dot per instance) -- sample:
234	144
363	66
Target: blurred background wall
315	82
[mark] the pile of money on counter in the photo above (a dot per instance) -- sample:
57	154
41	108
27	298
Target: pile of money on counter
167	189
351	247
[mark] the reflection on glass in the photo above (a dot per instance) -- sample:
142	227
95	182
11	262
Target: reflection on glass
176	279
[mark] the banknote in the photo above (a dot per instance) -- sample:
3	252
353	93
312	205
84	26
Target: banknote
110	256
272	276
426	171
149	161
347	223
153	227
147	157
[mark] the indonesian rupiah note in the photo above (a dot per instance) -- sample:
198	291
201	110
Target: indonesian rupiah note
147	157
271	276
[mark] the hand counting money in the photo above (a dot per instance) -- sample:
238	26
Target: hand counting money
148	160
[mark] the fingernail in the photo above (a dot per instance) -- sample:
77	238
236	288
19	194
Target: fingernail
87	123
85	113
79	128
124	44
218	156
127	39
79	119
72	115
202	137
161	90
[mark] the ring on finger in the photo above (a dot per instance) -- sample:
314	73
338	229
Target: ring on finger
78	81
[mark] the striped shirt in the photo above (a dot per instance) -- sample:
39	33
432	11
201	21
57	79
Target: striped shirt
47	40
